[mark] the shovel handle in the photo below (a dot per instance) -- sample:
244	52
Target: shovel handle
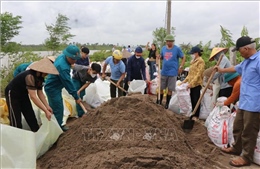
83	107
206	87
116	85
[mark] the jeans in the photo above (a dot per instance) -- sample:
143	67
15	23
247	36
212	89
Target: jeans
152	69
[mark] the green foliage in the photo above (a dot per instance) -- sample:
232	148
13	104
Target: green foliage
226	39
10	26
159	35
100	55
59	34
15	59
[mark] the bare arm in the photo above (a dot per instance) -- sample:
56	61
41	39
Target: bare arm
38	103
84	87
104	70
225	70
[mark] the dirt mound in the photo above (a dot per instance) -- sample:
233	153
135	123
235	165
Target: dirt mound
131	132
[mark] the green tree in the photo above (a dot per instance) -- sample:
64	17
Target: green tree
226	38
59	34
159	35
10	26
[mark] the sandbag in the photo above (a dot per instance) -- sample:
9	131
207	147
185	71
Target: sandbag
174	104
205	107
136	86
184	99
256	157
20	148
4	112
218	126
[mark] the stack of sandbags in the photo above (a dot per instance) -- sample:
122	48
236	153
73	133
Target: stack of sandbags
4	112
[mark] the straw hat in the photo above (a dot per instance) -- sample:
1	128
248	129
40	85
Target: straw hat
52	58
215	51
45	66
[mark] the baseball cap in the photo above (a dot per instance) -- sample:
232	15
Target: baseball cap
243	41
72	52
195	49
139	50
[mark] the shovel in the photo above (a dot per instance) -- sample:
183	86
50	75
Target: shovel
188	124
83	107
108	79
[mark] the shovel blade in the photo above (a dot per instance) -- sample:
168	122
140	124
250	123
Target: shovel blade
188	125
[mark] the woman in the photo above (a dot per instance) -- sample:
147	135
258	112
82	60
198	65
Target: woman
25	86
152	59
195	78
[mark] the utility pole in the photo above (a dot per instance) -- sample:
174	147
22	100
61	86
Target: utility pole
169	3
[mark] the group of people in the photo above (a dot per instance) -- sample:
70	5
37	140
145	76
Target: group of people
240	82
28	84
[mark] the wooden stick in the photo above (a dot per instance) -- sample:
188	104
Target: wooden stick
116	85
159	85
206	87
83	107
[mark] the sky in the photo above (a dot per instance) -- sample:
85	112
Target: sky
133	22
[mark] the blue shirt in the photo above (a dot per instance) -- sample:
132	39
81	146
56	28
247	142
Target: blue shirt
136	68
22	67
250	83
55	83
116	69
170	57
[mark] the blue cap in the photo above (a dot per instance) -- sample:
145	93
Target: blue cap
230	76
72	52
139	50
195	49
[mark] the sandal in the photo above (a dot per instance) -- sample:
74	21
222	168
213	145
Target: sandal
239	162
230	150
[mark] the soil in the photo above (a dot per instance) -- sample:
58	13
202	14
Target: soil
133	132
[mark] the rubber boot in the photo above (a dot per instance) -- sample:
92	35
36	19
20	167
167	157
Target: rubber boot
168	98
161	97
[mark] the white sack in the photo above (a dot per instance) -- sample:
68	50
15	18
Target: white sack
136	86
174	104
205	107
218	126
184	99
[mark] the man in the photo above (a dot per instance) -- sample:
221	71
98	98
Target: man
82	78
135	68
84	60
247	121
54	83
20	68
117	67
170	54
25	86
225	88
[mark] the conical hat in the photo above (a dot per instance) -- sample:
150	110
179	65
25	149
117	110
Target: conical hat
52	58
216	51
126	54
44	66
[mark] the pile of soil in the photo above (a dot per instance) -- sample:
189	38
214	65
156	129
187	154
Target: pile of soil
131	132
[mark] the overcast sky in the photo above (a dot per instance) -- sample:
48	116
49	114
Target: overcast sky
128	22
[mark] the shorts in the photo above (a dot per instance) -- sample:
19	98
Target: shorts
168	82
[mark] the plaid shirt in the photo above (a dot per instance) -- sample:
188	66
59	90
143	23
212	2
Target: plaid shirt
195	76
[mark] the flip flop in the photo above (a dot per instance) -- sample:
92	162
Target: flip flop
239	162
230	150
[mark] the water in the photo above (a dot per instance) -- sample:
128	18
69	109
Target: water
4	61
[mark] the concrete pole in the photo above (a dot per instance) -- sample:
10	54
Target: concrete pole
169	3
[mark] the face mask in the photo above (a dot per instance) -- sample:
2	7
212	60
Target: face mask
93	75
137	57
192	56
